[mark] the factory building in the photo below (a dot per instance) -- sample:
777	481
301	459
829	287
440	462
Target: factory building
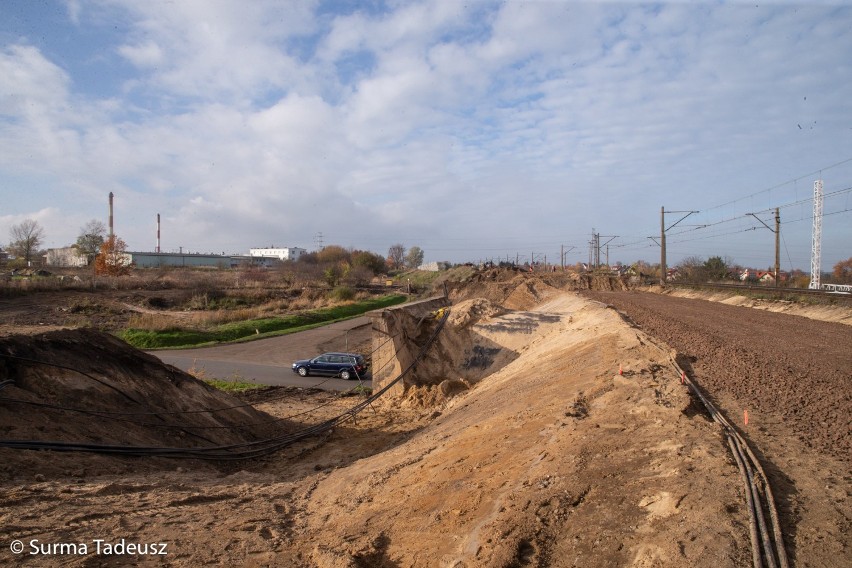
287	253
159	259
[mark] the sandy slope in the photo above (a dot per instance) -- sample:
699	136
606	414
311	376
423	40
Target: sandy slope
555	460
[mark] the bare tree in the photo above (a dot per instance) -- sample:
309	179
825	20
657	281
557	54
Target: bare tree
396	256
91	238
27	237
691	268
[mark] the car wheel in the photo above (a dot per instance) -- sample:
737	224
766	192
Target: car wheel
303	371
345	375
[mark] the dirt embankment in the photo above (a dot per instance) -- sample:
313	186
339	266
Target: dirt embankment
837	313
87	387
793	375
573	444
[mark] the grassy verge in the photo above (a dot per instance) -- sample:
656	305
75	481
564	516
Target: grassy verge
253	329
232	386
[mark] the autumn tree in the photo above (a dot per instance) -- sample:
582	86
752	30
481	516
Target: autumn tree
843	271
333	253
370	260
414	258
396	256
92	236
27	237
112	259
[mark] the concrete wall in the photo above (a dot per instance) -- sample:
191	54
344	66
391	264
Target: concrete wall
66	256
398	334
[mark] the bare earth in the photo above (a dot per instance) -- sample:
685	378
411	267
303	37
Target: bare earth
583	450
794	377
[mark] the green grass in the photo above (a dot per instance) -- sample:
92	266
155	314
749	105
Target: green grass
253	329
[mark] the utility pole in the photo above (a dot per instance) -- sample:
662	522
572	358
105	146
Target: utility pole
777	231
599	246
663	246
777	245
597	250
564	252
662	242
816	238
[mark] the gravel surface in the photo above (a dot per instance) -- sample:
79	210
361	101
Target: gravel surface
796	369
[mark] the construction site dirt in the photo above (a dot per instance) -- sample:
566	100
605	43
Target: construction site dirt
573	443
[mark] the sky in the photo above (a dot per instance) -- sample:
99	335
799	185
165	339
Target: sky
475	130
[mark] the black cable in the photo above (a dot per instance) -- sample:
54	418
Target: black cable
244	450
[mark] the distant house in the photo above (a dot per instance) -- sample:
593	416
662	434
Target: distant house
283	253
65	256
4	256
762	276
434	266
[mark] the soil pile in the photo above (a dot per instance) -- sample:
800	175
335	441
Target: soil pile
83	386
555	459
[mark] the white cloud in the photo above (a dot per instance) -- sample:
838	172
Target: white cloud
212	50
32	85
146	54
439	122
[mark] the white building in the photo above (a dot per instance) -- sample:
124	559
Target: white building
287	253
67	256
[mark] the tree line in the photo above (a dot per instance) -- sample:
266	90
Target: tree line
107	253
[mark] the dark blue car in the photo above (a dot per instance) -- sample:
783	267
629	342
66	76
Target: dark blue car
343	365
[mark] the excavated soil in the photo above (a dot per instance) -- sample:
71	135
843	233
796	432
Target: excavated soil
567	439
793	376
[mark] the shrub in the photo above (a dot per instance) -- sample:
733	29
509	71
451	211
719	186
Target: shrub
343	293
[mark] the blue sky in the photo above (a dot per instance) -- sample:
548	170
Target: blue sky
471	129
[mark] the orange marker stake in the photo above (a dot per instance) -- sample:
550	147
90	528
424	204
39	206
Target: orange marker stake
682	377
745	413
620	372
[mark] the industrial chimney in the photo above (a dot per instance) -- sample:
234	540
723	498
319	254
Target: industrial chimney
110	214
158	232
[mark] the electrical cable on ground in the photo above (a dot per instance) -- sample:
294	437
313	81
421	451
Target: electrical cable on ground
246	450
117	416
772	546
163	412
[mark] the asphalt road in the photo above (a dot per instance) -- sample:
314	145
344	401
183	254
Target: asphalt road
268	361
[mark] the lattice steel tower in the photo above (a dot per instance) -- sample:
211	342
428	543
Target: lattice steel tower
816	240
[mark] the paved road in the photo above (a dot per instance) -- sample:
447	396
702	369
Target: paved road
268	361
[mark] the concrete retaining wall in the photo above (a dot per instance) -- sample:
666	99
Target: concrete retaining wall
399	332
